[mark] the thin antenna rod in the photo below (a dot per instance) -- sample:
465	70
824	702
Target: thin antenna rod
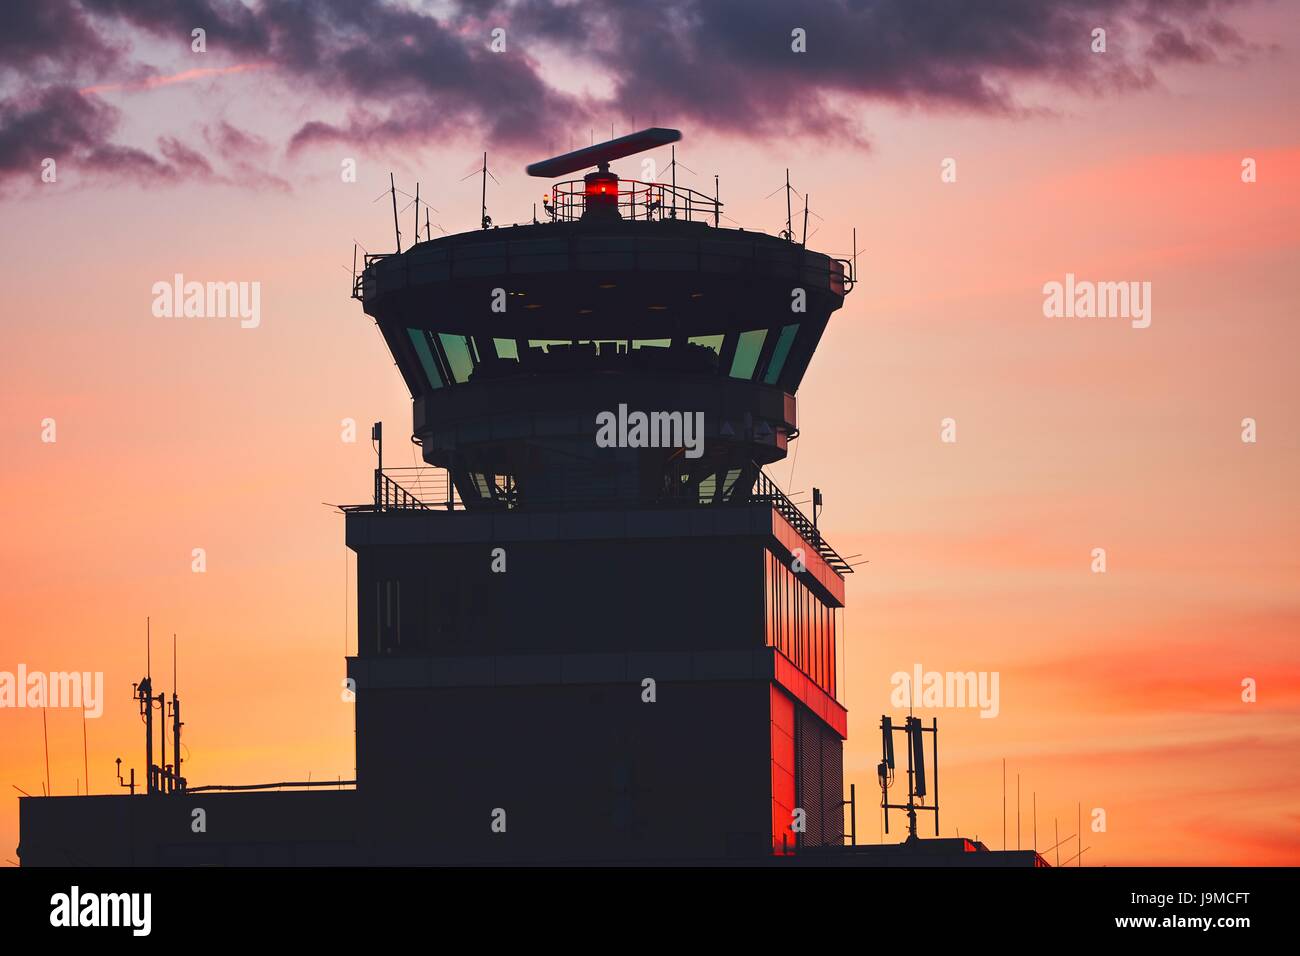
148	649
805	220
417	212
673	168
484	203
177	783
392	184
49	787
789	227
85	749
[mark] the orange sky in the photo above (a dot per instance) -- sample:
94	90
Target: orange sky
1118	691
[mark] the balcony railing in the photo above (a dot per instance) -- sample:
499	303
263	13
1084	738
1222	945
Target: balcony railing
427	488
637	200
765	489
418	488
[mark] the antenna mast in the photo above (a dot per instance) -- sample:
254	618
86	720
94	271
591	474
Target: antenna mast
673	168
177	781
789	226
392	184
914	732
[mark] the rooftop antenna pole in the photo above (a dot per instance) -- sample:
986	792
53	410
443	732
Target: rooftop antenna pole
789	229
393	187
85	750
717	210
49	788
428	234
673	168
162	741
805	220
935	725
417	212
354	268
484	220
145	696
178	783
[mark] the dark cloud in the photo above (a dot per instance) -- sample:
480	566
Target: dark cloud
48	35
75	130
729	63
398	74
57	122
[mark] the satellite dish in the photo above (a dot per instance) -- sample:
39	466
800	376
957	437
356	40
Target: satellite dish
602	154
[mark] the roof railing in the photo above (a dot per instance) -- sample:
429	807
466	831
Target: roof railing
637	200
429	488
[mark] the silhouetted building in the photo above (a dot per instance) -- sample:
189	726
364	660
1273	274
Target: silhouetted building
624	647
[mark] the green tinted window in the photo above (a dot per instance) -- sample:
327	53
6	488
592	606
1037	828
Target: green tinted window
708	341
748	349
459	358
651	343
780	352
545	344
506	349
604	346
420	339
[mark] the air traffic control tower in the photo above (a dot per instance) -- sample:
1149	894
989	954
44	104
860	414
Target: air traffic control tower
590	628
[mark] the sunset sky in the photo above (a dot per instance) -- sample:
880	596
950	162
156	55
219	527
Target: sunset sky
1120	691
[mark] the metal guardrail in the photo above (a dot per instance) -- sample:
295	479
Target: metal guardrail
427	488
765	489
841	274
637	200
418	488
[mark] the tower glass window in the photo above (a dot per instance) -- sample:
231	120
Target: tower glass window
780	353
798	624
459	357
420	339
749	347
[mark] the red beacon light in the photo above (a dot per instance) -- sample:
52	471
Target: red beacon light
600	188
601	194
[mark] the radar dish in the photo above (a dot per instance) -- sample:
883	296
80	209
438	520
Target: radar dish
602	154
